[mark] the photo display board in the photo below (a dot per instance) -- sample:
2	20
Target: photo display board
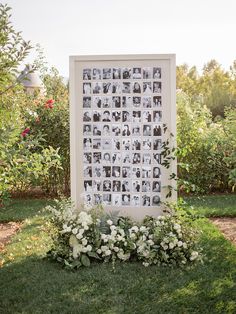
118	105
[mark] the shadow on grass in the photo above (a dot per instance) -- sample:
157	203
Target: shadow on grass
35	285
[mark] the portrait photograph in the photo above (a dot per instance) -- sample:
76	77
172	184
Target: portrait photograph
116	186
156	200
97	185
146	172
116	116
116	144
156	130
106	199
106	116
106	158
97	143
87	171
97	171
157	144
116	129
126	172
147	159
106	74
126	116
116	199
126	144
107	88
156	186
136	158
125	186
116	73
116	102
157	73
116	88
106	186
125	199
87	74
147	130
106	171
147	87
147	102
106	102
97	156
136	172
147	73
137	73
106	131
157	87
126	130
96	116
97	88
136	88
87	88
106	144
97	74
116	171
137	116
87	158
146	200
147	116
135	200
87	143
147	144
136	186
126	73
87	116
88	185
136	144
157	158
126	159
86	102
136	101
116	158
157	101
127	101
157	116
88	199
156	172
97	130
146	186
126	87
97	199
97	102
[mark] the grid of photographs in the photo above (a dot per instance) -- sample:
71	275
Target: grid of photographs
122	135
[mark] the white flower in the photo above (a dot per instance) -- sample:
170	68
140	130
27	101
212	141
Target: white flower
104	248
150	242
180	243
75	231
84	242
193	256
113	233
177	227
109	222
112	227
134	229
133	236
99	251
108	252
81	231
145	264
185	245
144	238
89	248
79	236
116	249
143	228
68	229
171	245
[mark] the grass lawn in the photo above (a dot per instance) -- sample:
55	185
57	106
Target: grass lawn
32	284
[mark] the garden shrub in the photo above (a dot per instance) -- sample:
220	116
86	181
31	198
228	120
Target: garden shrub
80	237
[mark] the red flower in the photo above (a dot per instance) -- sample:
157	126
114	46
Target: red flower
25	132
49	103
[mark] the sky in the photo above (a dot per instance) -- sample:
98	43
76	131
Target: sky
195	30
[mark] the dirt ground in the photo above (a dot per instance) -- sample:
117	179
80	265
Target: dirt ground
7	230
227	226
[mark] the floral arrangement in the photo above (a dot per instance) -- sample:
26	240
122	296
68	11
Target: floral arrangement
82	236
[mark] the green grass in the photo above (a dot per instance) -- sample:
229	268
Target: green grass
32	284
214	205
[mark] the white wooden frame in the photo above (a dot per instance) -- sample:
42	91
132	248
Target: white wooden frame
77	63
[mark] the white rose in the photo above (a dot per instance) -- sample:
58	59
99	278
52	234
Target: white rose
108	252
84	242
143	228
79	236
171	245
74	231
81	231
116	249
89	248
104	248
180	243
193	256
109	222
99	251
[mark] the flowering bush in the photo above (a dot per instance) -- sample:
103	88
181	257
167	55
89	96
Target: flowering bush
82	236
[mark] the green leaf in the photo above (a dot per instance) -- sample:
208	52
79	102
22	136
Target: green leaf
85	260
93	254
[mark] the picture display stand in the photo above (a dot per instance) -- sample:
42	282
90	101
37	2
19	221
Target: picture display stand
118	107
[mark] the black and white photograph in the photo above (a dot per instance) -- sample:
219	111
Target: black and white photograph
97	185
157	101
156	130
88	199
116	102
116	171
126	159
116	129
125	199
157	73
126	130
97	171
106	144
136	116
87	158
156	200
136	144
87	171
97	143
146	172
146	200
116	186
126	144
97	74
87	143
87	129
116	73
136	88
136	130
147	130
97	199
126	116
87	88
87	116
87	74
97	156
97	131
127	101
116	116
147	87
125	186
137	73
126	73
146	186
157	116
107	88
147	73
147	159
106	158
157	144
136	172
116	88
135	200
136	158
147	102
116	200
147	116
156	186
106	171
157	158
116	158
106	131
126	88
106	186
136	186
156	172
97	102
106	74
88	185
106	199
97	88
156	87
106	116
116	144
106	102
147	144
96	116
136	101
126	172
86	102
